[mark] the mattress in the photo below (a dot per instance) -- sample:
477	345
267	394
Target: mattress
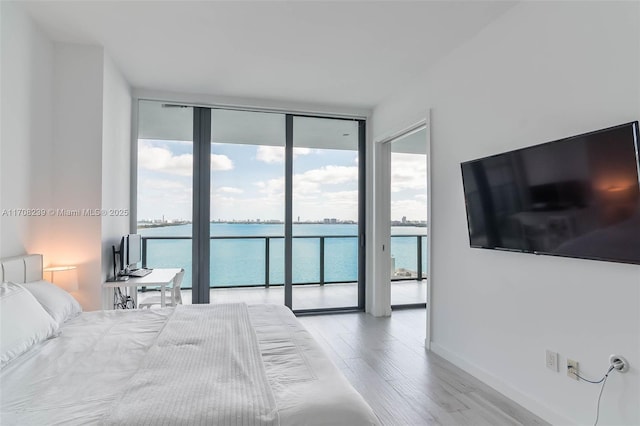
80	376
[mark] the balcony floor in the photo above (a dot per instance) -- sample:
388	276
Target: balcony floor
334	295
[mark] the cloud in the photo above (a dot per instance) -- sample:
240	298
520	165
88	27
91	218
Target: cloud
230	190
310	182
306	184
275	154
272	187
228	208
330	175
413	209
408	171
154	193
270	154
162	184
221	162
345	198
302	188
160	159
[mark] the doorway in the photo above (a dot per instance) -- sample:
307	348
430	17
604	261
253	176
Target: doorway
416	183
408	232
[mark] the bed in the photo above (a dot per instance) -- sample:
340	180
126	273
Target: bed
204	364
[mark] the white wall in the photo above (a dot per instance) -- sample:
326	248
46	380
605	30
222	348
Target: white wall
92	129
25	136
116	157
542	71
77	165
65	128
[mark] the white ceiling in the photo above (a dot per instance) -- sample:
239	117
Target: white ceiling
346	53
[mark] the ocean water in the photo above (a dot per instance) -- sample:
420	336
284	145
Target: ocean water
241	261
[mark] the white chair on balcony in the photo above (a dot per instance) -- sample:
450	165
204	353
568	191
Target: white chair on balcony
172	296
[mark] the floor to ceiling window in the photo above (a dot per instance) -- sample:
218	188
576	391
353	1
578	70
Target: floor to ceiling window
325	213
260	207
165	186
247	206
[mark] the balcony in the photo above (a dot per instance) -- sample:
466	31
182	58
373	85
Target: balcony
325	269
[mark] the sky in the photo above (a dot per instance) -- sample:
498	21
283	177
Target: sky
247	183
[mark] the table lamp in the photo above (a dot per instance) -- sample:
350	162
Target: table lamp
65	277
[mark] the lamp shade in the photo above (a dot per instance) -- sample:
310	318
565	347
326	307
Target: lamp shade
65	277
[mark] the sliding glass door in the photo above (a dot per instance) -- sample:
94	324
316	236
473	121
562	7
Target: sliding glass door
325	210
258	207
247	206
165	187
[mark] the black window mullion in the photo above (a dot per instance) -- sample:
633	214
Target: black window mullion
362	142
288	212
201	204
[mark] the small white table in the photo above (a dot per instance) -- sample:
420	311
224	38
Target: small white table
162	277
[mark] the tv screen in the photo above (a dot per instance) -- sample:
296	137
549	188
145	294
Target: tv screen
576	197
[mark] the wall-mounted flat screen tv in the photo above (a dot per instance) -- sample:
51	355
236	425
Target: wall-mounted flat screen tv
576	197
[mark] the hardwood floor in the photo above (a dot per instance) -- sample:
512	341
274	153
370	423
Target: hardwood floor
334	295
385	360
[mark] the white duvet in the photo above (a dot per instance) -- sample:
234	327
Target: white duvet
81	376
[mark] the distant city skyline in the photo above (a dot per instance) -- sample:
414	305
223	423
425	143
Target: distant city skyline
247	183
261	221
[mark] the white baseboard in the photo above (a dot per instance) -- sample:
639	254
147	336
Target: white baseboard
506	389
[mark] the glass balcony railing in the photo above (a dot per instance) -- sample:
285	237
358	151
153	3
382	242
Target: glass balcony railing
258	261
408	257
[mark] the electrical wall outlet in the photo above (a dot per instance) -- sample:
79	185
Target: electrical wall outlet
572	369
619	363
552	360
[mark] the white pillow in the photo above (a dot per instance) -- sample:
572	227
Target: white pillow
23	322
57	302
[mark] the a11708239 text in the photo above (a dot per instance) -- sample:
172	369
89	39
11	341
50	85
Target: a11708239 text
84	212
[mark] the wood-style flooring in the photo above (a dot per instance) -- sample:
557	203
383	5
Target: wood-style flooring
335	295
385	360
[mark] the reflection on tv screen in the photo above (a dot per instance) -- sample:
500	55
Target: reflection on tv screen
577	197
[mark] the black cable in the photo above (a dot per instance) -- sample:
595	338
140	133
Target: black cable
122	301
603	381
591	381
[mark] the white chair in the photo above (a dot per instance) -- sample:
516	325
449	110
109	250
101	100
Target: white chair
172	297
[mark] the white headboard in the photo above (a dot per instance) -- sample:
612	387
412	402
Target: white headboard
21	269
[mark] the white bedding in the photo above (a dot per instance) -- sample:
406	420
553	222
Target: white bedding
77	377
205	367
